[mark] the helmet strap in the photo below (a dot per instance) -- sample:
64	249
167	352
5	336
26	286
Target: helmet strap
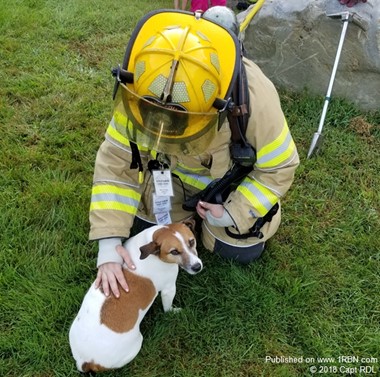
166	95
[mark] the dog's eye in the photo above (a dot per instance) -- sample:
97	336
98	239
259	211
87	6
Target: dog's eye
174	252
191	242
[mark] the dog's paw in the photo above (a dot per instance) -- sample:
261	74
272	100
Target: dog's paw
174	310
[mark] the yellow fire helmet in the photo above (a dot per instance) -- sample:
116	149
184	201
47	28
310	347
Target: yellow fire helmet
177	76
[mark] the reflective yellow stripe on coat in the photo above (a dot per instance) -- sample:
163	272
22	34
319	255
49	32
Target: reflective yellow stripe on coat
261	198
192	178
109	197
278	151
117	130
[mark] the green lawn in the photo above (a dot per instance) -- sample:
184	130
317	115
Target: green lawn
315	292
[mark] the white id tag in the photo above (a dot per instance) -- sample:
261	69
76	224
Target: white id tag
161	204
163	218
163	182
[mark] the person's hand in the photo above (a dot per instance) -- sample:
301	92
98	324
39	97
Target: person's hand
351	3
111	274
216	210
215	214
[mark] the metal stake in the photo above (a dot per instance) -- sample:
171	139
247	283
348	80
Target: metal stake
317	138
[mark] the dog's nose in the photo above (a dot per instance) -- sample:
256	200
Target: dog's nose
196	267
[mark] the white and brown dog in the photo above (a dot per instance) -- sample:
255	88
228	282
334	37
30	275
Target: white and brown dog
106	332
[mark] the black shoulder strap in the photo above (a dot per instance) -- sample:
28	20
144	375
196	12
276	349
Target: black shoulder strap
238	116
241	151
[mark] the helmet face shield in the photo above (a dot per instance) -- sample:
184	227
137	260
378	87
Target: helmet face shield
165	128
170	119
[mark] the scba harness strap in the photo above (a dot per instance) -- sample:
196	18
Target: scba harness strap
243	155
241	150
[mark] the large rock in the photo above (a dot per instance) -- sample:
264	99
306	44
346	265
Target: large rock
295	44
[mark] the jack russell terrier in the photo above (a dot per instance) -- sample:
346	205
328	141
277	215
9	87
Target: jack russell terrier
106	332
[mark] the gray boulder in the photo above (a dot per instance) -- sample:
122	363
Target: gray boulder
295	43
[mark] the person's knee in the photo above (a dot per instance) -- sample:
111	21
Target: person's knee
242	255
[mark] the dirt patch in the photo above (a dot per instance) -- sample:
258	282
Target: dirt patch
362	128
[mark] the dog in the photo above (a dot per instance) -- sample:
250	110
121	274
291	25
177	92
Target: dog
106	331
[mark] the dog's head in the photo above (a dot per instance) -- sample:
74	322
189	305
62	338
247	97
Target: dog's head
175	243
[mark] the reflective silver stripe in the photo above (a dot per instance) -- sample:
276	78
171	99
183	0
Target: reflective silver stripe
193	179
263	199
277	152
110	197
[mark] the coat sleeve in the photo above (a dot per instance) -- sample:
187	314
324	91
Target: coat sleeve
116	190
277	157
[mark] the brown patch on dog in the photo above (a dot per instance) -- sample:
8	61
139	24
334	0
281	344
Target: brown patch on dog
121	314
92	367
166	240
161	235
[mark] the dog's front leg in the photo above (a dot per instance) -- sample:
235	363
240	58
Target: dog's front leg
167	297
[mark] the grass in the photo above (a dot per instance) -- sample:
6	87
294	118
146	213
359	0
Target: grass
315	292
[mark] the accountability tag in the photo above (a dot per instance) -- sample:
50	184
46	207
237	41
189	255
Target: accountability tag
161	204
163	182
163	218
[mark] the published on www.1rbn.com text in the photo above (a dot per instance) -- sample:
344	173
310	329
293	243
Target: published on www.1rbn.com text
340	365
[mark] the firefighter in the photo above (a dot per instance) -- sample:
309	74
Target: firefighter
170	137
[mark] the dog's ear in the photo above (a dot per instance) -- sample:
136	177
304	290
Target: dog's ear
190	223
148	249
